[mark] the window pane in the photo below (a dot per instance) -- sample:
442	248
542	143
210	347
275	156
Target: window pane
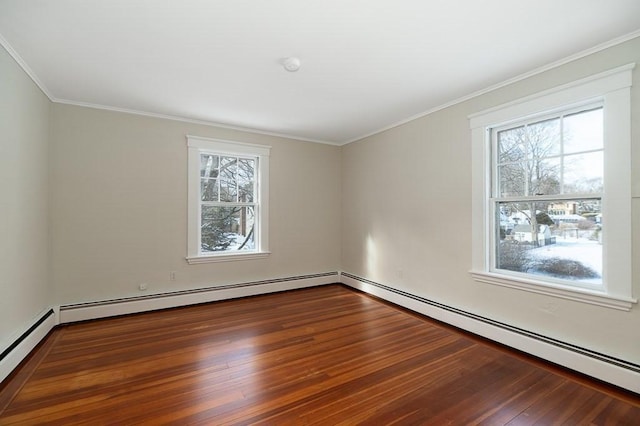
583	173
245	192
543	177
562	239
209	165
209	189
537	177
228	167
543	139
511	180
227	228
528	160
583	131
246	169
511	145
228	191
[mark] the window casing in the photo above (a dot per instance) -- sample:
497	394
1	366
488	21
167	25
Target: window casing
587	175
227	200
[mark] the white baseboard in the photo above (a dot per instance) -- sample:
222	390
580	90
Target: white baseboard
108	308
611	370
13	355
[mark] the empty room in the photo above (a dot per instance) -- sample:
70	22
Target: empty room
319	212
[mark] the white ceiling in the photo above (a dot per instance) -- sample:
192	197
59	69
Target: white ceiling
366	64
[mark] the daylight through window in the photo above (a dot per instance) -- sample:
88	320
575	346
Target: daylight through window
548	183
227	203
552	192
227	200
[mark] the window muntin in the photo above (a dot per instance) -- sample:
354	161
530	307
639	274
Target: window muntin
537	166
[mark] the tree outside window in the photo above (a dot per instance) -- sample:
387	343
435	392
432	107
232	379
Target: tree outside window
538	166
227	193
228	200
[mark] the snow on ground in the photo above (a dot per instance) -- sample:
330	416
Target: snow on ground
237	241
583	250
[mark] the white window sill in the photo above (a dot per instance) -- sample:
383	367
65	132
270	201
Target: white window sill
564	292
226	257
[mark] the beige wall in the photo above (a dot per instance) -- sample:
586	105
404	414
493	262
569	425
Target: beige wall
407	217
394	208
119	204
24	229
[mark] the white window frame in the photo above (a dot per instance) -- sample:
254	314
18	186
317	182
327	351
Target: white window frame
496	198
613	90
199	145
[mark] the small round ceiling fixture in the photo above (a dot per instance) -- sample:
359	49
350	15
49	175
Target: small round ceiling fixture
291	64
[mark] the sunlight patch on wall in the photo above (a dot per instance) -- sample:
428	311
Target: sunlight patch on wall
371	257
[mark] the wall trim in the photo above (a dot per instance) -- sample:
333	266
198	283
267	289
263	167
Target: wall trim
595	364
32	75
13	355
188	120
604	367
20	349
590	51
22	64
130	305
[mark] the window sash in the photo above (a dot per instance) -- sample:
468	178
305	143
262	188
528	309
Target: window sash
561	155
526	149
219	178
494	239
254	233
231	204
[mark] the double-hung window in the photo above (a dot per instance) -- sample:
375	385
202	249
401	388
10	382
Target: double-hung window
552	192
539	166
228	200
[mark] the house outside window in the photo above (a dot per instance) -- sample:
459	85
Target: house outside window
552	185
540	164
228	200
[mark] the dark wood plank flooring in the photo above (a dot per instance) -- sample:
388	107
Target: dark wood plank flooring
325	355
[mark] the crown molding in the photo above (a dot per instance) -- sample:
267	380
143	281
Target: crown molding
32	75
192	121
536	71
614	42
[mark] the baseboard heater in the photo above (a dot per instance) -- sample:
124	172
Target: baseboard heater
614	370
601	366
26	334
18	350
128	305
21	347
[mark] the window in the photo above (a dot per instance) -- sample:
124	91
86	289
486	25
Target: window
228	200
538	165
552	183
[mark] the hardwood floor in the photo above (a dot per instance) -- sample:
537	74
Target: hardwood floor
325	355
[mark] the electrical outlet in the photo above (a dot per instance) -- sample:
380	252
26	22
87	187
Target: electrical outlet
142	286
172	276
